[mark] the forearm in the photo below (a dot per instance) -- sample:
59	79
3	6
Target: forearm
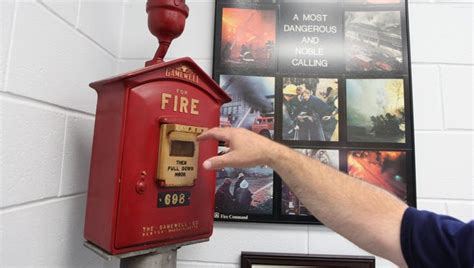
364	214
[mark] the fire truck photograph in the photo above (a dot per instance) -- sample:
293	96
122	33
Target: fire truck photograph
382	168
252	105
373	41
375	110
290	205
310	109
244	191
248	38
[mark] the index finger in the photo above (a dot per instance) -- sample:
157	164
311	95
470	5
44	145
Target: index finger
221	134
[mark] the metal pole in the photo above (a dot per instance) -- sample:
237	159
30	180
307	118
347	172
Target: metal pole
159	257
165	259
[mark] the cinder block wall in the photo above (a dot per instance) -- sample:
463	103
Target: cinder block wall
50	51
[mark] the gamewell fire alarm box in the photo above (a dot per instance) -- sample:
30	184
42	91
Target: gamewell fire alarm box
147	187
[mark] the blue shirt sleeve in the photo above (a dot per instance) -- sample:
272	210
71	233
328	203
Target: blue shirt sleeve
432	240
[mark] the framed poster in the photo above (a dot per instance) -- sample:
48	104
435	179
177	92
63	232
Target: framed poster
278	260
329	78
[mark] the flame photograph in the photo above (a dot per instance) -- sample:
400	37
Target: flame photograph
248	38
383	169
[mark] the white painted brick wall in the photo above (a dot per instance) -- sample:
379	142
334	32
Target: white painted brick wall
66	10
50	51
77	153
229	239
51	62
47	234
441	32
6	19
107	14
32	150
457	81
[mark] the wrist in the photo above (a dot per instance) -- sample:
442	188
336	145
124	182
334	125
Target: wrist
273	153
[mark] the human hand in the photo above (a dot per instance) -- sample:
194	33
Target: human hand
246	148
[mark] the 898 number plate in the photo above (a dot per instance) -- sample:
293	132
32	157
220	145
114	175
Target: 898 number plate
174	199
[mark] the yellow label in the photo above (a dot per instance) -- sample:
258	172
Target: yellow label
178	155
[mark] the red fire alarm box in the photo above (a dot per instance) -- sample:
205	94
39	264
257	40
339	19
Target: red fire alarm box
147	188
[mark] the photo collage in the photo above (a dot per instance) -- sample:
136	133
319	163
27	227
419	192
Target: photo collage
330	79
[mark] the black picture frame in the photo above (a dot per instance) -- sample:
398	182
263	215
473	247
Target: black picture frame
261	260
346	144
